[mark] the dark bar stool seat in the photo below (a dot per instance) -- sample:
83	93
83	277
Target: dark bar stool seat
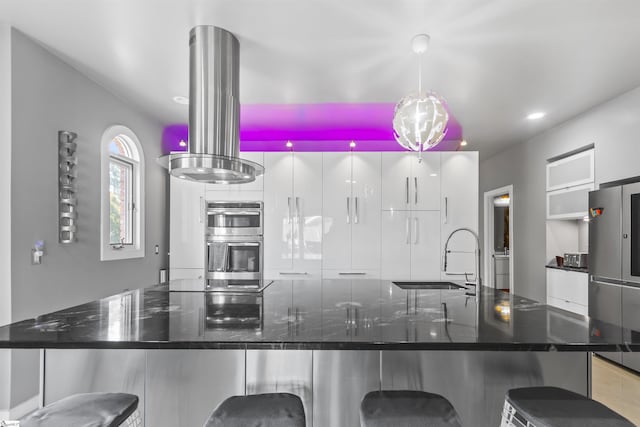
259	410
555	407
87	410
404	408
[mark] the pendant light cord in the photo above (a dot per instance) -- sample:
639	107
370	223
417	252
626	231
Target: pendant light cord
419	73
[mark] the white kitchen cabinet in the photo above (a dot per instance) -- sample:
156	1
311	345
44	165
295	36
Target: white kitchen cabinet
569	203
293	215
186	225
256	185
186	273
425	245
351	214
570	171
396	245
411	245
408	184
568	290
459	209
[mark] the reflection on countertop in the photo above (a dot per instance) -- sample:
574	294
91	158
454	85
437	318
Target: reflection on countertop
314	314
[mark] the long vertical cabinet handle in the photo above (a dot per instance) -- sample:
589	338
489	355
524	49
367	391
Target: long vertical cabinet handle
288	210
446	209
201	209
406	231
298	209
348	212
415	181
407	189
355	217
415	230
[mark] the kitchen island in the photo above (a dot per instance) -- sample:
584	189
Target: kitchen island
328	341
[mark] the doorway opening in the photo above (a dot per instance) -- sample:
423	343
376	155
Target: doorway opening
498	238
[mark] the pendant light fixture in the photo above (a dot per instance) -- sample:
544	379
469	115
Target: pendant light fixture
420	119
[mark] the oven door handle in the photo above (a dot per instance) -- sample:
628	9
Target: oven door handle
230	244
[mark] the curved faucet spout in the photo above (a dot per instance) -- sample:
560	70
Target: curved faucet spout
478	281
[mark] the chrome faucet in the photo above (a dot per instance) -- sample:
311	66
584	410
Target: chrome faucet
478	281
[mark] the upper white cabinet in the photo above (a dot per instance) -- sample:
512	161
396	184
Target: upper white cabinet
569	181
569	203
571	171
351	214
257	185
293	215
187	225
410	184
459	208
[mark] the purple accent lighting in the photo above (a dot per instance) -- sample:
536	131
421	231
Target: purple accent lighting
315	127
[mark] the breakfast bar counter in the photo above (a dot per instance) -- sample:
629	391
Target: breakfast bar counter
329	342
319	315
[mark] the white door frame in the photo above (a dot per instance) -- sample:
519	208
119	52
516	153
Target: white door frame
488	232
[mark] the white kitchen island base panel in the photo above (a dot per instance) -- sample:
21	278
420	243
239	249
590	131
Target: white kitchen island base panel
182	387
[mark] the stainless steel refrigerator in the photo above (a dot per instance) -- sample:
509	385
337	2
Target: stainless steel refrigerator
614	263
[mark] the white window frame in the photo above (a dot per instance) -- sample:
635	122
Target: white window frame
108	251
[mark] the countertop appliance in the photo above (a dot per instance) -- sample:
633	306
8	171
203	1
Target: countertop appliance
614	261
576	259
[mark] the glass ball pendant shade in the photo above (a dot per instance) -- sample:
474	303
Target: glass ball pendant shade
420	121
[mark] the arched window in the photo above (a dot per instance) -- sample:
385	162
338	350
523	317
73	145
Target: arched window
122	195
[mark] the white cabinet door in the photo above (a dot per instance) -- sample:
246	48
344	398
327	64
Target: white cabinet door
396	176
336	204
187	224
257	185
366	199
570	286
459	208
425	249
396	246
307	212
570	203
571	171
425	182
278	213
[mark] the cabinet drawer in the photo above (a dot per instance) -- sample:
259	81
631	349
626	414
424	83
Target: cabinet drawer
350	274
186	273
292	275
568	286
568	305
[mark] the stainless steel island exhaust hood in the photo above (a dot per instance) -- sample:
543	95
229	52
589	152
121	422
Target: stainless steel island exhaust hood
214	112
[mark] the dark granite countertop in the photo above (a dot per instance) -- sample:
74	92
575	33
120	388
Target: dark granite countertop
329	314
577	269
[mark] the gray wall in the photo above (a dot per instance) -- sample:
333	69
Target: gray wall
614	128
49	95
5	214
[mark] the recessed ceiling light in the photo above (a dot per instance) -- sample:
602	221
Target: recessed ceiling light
433	174
352	144
536	116
183	100
289	144
463	143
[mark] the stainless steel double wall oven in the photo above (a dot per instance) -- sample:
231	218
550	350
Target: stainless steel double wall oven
234	242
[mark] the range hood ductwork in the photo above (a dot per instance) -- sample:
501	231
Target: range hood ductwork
214	112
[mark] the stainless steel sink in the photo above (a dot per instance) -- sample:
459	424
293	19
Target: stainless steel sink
428	285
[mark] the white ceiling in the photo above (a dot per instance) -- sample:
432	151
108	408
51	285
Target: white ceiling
494	61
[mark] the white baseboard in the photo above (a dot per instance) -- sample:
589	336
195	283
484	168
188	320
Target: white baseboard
24	408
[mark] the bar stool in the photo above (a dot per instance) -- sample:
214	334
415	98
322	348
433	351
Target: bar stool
555	407
87	410
259	410
404	408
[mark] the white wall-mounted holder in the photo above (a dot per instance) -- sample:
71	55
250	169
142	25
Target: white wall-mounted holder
67	186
